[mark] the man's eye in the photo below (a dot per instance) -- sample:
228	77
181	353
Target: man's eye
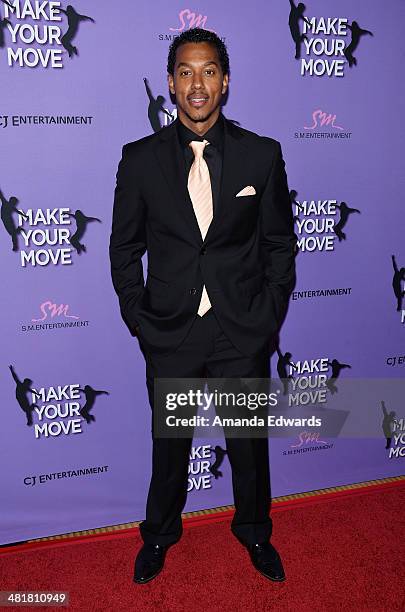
210	71
184	72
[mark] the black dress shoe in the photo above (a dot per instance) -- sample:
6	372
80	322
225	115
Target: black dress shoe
149	562
267	561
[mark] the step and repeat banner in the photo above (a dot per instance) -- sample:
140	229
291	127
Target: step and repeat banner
77	82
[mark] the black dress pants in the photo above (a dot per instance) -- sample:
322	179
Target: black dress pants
207	352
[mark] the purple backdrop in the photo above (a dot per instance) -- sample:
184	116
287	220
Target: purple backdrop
69	101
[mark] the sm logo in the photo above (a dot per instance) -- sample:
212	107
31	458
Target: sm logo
321	119
188	19
51	310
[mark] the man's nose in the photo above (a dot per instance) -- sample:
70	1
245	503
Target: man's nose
197	81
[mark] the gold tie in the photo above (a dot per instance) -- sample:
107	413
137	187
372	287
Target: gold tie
199	188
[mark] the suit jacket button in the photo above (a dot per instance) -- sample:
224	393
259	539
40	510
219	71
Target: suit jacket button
203	251
193	291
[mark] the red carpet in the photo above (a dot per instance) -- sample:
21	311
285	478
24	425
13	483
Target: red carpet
342	554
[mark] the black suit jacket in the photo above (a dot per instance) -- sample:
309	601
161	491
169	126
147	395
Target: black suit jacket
247	260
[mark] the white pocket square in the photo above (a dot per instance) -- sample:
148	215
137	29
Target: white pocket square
246	191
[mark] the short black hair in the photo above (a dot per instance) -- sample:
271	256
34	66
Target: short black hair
198	35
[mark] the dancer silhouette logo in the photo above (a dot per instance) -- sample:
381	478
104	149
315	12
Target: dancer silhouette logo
320	222
304	382
394	432
46	234
58	410
36	35
157	109
307	379
398	286
325	42
390	426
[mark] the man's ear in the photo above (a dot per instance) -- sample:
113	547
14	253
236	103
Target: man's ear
225	83
170	81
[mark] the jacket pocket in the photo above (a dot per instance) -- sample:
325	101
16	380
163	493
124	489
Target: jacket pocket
156	285
252	285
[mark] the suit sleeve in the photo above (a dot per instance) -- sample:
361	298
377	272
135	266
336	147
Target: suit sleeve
278	240
127	241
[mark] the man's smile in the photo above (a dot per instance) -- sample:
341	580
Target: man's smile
197	100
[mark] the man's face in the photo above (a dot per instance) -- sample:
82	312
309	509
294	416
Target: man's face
198	82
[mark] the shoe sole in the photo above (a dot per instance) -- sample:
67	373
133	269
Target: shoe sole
148	579
272	579
268	577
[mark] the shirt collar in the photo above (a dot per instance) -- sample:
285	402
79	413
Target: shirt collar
215	134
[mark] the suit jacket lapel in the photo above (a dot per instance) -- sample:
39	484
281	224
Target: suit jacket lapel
234	162
171	160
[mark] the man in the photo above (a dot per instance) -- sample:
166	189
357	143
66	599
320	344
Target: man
209	202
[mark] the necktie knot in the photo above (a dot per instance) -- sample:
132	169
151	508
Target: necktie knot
198	147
